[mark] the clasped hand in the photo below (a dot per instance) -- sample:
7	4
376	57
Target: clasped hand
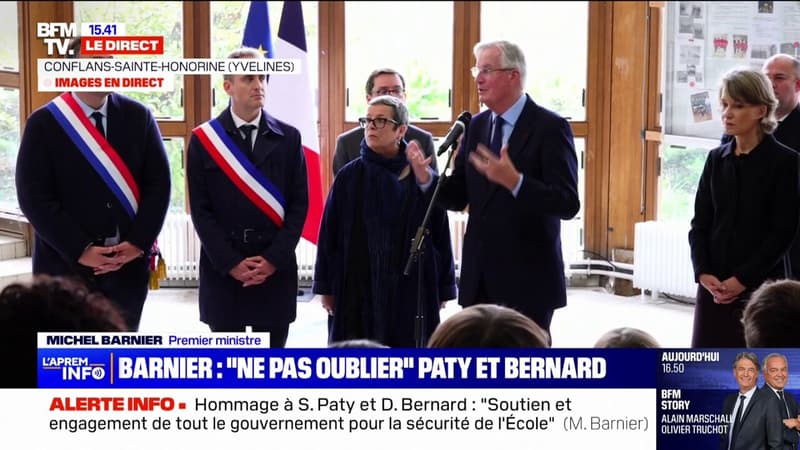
252	271
724	292
108	259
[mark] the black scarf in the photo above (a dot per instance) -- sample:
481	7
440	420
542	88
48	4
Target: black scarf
385	197
383	191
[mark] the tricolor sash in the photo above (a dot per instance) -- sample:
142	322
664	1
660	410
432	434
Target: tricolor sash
97	151
241	171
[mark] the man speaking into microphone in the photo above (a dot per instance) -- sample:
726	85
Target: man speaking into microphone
518	172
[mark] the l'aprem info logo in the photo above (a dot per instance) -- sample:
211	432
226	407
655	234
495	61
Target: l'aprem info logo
75	368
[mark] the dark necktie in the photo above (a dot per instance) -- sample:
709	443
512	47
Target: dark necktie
785	406
497	136
247	129
738	420
98	122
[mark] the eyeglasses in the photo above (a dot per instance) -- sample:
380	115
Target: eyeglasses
393	91
486	71
378	122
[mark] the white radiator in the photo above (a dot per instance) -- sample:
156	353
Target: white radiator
181	247
662	260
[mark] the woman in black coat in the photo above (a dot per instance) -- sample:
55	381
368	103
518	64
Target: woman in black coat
746	211
373	210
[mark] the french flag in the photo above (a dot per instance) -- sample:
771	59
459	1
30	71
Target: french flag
289	97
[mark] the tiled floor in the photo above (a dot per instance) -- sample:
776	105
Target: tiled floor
589	313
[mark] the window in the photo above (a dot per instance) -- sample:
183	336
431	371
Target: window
9	146
177	198
9	106
416	39
554	38
228	20
682	161
572	231
146	19
9	32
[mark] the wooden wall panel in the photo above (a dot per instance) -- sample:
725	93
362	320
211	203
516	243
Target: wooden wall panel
598	118
32	13
626	156
332	84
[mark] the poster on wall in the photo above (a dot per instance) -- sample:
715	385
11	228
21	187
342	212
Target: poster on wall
707	39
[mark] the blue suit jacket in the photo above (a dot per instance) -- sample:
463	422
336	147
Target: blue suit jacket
791	437
760	427
221	212
514	244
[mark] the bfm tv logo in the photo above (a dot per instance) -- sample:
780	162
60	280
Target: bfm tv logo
75	368
57	45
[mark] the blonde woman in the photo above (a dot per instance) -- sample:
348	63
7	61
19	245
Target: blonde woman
746	210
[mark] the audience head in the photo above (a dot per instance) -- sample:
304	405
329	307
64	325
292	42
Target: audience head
357	343
771	315
56	304
48	304
626	337
488	326
754	90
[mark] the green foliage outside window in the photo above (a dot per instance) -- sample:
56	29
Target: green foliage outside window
146	19
680	172
9	145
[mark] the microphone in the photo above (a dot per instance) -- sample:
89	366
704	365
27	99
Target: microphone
455	131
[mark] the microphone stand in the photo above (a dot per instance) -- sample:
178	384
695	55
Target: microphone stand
417	254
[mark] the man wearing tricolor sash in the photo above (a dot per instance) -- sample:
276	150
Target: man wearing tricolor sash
249	196
93	179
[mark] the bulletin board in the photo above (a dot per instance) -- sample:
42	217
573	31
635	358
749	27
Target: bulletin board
706	39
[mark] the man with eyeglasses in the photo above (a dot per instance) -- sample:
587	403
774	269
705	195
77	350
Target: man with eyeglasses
518	172
380	82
